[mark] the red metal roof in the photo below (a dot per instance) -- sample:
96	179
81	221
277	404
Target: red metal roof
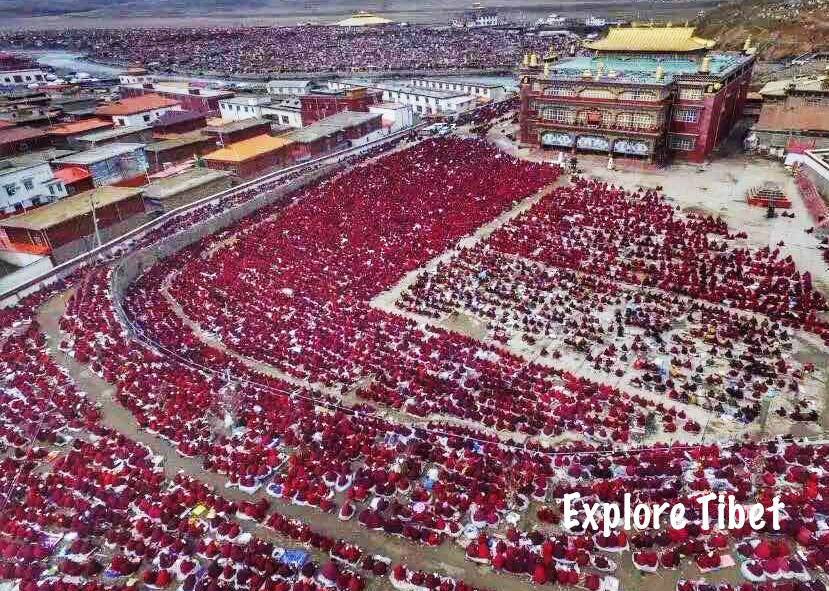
136	104
72	174
82	126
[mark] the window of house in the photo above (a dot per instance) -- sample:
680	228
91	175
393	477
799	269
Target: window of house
11	189
599	93
28	184
690	94
559	115
683	143
641	119
51	189
686	115
558	91
146	118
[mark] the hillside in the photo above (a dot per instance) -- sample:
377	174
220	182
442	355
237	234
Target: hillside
779	29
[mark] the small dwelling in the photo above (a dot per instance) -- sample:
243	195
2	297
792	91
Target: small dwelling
167	194
252	156
65	229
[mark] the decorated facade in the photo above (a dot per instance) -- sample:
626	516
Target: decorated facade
653	93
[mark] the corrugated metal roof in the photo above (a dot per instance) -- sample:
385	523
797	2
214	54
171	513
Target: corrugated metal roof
233	126
81	126
19	134
784	118
100	153
249	148
136	104
345	119
809	84
107	134
185	139
190	179
71	174
173	117
657	39
77	205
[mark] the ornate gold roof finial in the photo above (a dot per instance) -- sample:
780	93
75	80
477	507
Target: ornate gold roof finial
526	59
533	60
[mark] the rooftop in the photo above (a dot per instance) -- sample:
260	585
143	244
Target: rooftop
190	179
72	174
76	127
805	84
345	119
10	135
406	88
173	117
136	104
183	89
53	214
248	99
310	134
642	69
364	19
250	148
17	163
777	116
234	126
331	126
185	139
100	153
48	154
116	132
467	81
289	83
651	39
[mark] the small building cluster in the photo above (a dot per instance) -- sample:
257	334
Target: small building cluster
793	117
83	161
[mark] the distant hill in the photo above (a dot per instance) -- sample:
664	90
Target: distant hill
779	29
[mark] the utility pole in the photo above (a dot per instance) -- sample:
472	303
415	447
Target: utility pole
95	222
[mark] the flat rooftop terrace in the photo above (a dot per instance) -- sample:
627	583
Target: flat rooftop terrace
643	69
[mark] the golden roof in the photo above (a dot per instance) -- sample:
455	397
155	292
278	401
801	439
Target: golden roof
657	39
249	148
363	19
